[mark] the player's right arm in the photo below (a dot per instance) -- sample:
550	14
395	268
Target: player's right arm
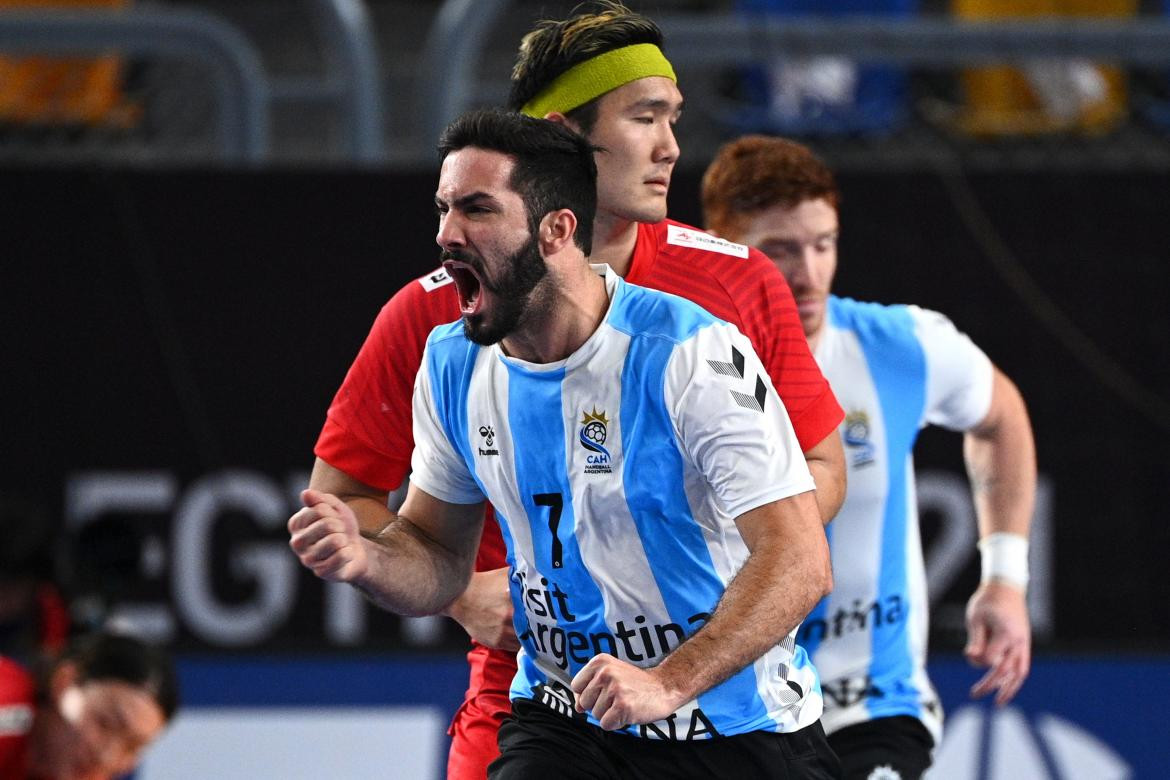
423	559
363	451
416	566
367	502
483	609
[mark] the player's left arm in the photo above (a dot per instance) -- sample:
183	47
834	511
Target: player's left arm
1001	465
784	577
734	429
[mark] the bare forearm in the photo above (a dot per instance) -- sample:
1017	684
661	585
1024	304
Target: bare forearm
1001	465
830	489
410	574
826	463
374	517
367	502
776	588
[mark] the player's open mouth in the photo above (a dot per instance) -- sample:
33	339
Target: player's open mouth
468	283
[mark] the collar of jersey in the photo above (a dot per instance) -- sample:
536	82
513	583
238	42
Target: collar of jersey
615	287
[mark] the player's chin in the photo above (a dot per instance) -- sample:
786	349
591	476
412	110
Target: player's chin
811	321
655	211
648	210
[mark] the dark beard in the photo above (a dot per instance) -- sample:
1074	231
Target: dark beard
512	291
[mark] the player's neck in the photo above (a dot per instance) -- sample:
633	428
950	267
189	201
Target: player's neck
814	339
568	314
613	241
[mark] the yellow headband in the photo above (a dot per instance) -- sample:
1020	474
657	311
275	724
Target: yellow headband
593	78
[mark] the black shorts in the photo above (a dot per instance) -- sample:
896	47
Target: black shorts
538	743
900	743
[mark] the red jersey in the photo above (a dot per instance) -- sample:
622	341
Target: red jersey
368	432
17	703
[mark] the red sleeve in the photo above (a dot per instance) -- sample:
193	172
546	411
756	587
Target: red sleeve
367	432
16	716
772	323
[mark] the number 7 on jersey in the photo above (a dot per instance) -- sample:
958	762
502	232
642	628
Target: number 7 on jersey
556	505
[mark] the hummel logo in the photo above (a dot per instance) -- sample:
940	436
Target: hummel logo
735	369
489	438
755	401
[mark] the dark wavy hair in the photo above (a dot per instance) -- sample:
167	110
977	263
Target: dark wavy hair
554	167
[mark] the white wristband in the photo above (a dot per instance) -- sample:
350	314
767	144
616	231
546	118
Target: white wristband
1005	558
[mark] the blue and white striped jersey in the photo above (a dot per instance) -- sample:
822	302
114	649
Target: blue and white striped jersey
894	369
617	475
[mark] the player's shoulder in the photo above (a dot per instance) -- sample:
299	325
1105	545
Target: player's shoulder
647	312
449	359
450	337
435	289
850	309
713	267
897	321
418	306
852	314
677	239
432	281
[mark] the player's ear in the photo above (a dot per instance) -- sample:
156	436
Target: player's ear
557	230
564	121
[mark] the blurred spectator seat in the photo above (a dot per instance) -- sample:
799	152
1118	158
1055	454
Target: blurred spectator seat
1049	95
1159	111
821	95
56	90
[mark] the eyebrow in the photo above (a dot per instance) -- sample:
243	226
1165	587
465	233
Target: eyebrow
655	104
467	200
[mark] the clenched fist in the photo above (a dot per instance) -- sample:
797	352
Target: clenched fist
326	538
620	694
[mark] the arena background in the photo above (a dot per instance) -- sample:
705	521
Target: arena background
175	325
